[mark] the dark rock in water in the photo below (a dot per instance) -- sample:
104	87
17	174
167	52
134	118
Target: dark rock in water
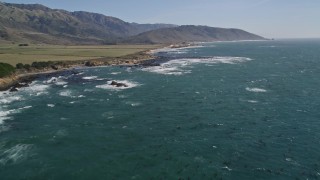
20	85
27	80
74	72
114	83
13	89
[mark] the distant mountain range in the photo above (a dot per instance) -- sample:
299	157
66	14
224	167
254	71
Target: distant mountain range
35	23
191	33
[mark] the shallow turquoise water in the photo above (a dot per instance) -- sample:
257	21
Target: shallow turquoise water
235	110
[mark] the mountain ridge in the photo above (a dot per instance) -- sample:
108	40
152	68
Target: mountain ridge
192	33
36	23
40	24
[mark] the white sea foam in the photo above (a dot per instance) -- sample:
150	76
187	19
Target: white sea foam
166	70
227	168
253	101
101	79
176	66
272	46
133	104
61	83
15	154
256	90
130	84
50	105
36	89
66	93
5	114
26	107
115	73
56	80
8	98
90	77
51	80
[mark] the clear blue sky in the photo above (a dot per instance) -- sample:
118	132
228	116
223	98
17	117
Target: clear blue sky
269	18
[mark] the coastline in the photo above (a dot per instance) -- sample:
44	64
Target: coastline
23	78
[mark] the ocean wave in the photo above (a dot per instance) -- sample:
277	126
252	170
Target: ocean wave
15	154
115	73
36	89
133	104
5	114
57	81
271	46
90	77
256	90
252	101
9	98
130	84
166	70
50	105
175	67
66	93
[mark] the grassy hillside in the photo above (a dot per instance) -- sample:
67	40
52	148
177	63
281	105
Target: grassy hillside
34	23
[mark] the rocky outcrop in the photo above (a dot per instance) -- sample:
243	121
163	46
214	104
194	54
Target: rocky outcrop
15	82
116	84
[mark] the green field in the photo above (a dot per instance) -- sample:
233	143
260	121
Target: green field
14	54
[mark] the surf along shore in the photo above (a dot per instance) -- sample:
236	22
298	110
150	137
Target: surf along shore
24	76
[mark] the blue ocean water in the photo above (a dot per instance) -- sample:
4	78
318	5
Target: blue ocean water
224	110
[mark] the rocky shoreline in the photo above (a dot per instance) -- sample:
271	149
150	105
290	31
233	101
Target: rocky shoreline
23	77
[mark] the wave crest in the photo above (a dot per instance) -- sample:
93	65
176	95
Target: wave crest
175	67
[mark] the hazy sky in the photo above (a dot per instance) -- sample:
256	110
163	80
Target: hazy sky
269	18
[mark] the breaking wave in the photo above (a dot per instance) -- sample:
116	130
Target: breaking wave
15	154
175	67
256	90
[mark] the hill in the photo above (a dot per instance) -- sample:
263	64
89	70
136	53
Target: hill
191	33
35	23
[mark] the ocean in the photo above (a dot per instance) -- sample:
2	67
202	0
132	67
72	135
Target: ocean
223	110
